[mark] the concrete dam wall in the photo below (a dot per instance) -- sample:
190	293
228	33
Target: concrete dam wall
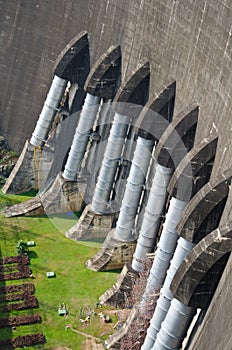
189	41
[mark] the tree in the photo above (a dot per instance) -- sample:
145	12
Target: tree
21	247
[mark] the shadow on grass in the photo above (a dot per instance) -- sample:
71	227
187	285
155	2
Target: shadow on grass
32	254
31	193
18	232
92	240
12	199
67	215
113	271
37	216
5	333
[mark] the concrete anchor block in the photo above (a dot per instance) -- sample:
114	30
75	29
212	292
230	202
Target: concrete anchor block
112	255
22	177
116	296
114	340
62	197
91	225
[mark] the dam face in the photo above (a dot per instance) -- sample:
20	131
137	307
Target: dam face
189	41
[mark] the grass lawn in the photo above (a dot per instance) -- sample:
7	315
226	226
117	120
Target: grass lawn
76	286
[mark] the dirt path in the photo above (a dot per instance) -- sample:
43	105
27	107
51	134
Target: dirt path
85	334
94	343
90	343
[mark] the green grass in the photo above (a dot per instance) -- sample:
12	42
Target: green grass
74	284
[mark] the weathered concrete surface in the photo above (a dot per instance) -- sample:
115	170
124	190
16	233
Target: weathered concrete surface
115	296
215	331
31	170
22	178
72	63
32	36
112	255
91	225
187	40
204	211
114	340
197	277
178	138
194	170
31	207
105	75
61	197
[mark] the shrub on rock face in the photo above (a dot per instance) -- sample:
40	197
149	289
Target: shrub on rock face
8	159
2	181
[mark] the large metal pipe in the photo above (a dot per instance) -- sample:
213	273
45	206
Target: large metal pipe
81	137
110	162
166	296
50	108
175	326
126	157
98	139
150	177
151	221
166	245
134	187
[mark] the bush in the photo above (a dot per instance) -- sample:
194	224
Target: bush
24	272
20	262
2	181
19	320
21	247
14	288
30	303
20	342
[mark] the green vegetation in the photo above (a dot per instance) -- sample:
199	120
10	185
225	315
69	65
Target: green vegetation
7	158
2	181
21	247
74	285
6	155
